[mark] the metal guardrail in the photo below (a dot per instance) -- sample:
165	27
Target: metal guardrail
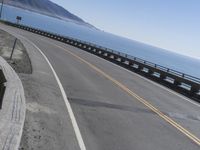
2	87
181	82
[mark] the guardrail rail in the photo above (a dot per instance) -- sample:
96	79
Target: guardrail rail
183	83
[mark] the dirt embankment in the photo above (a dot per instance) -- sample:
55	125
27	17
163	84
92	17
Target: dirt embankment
20	59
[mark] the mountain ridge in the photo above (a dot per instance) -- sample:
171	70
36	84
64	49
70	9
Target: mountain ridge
47	7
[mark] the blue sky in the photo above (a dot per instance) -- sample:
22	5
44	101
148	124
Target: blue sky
169	24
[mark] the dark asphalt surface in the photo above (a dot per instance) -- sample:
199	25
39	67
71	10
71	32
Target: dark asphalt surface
111	119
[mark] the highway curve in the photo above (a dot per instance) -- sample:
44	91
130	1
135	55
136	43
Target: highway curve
116	109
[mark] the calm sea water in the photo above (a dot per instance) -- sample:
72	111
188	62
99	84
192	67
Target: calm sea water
163	57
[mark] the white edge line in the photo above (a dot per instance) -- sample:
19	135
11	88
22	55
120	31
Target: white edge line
71	114
156	84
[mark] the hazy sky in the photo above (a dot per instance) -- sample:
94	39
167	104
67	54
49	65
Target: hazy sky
169	24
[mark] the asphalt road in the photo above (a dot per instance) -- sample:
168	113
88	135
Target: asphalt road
119	110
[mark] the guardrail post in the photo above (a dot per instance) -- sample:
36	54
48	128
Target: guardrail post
115	57
162	77
150	72
13	48
194	89
176	83
103	53
108	55
122	60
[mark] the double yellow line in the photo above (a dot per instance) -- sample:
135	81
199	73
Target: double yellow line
140	99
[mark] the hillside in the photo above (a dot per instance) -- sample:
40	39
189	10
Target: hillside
46	7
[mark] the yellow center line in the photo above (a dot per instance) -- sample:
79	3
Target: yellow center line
140	99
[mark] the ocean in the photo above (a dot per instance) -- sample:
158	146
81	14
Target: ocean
185	64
